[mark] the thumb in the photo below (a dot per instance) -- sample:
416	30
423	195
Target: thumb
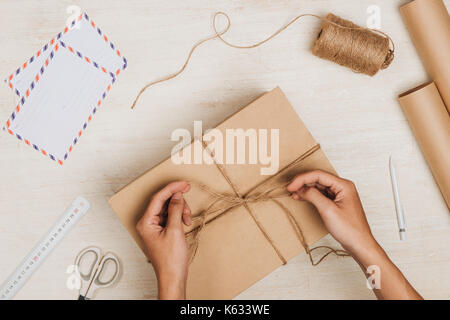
175	211
315	197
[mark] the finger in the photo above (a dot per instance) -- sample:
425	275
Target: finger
316	177
314	196
320	186
176	206
163	219
187	188
187	218
297	195
325	191
159	199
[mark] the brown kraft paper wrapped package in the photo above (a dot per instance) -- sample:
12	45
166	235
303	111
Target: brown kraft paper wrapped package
428	23
244	244
430	123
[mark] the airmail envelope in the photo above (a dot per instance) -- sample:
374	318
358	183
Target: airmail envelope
61	88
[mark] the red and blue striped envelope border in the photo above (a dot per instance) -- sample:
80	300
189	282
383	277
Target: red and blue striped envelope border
58	45
56	39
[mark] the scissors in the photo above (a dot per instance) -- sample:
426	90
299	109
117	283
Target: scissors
99	263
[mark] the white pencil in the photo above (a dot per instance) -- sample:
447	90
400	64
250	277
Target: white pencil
398	205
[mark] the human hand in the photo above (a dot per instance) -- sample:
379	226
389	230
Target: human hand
339	206
161	229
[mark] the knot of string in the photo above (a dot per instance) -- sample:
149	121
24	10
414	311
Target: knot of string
223	203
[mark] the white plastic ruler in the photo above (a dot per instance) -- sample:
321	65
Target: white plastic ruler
43	248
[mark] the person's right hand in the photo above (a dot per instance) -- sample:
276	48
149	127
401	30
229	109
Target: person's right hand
339	206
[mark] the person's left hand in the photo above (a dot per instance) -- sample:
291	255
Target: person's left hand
161	229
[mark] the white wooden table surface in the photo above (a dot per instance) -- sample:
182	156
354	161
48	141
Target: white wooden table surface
356	119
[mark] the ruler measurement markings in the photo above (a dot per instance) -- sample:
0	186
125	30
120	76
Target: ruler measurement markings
44	247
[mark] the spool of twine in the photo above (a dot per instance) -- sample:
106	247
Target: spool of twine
361	49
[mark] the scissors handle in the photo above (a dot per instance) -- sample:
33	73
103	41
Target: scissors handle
93	279
98	282
86	278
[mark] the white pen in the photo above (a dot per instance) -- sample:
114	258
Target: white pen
398	205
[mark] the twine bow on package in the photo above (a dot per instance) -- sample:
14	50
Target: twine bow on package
61	87
245	225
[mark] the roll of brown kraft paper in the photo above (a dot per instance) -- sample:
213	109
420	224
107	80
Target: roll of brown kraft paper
430	123
428	23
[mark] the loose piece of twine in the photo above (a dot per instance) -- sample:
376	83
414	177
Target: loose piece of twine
339	46
231	201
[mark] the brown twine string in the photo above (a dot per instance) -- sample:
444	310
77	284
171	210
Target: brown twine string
361	49
229	201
